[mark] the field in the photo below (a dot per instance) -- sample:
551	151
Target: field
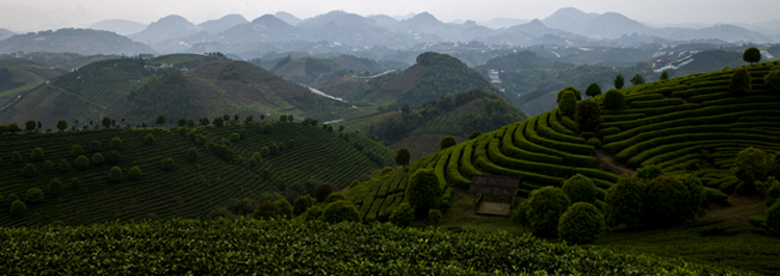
192	188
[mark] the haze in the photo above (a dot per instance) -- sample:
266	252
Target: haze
33	15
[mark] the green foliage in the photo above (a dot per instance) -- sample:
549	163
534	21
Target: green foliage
595	142
242	133
695	195
55	187
10	199
519	214
135	172
740	82
166	164
386	170
266	210
113	157
14	127
403	215
546	205
667	201
619	82
340	211
181	122
268	128
97	159
613	100
115	174
149	139
192	154
116	143
106	122
577	94
265	151
285	209
772	79
424	190
29	125
18	208
751	55
36	154
773	219
77	151
625	201
582	223
62	125
218	121
29	170
235	137
335	196
322	191
593	90
434	216
446	142
402	156
16	157
94	145
301	204
160	119
283	118
580	188
82	162
274	148
567	104
190	122
664	75
637	79
751	165
649	172
588	115
74	183
34	195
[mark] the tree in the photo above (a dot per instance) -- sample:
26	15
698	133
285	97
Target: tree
36	154
577	93
268	128
593	90
751	165
567	104
75	183
18	208
34	195
649	172
14	128
582	223
301	204
335	196
149	139
446	142
55	187
226	118
666	201
192	154
77	150
403	215
64	165
340	211
625	201
160	119
29	126
588	115
545	207
322	191
290	118
751	55
740	82
613	99
3	129
190	122
249	119
274	148
637	79
580	188
235	137
285	209
106	122
113	157
265	151
402	156
266	210
204	121
181	122
16	157
619	82
434	216
283	118
62	125
82	162
664	75
29	170
98	159
135	172
424	190
166	164
94	145
772	80
695	196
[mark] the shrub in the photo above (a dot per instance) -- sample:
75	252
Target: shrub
333	197
595	142
82	162
637	79
10	199
625	201
242	133
113	157
64	165
773	219
135	172
265	151
582	223
98	159
115	174
285	209
94	145
18	208
402	156
664	75
75	183
434	216
740	82
16	157
649	172
403	215
190	122
76	151
666	201
751	55
613	99
116	143
14	127
149	139
48	166
3	129
268	128
446	142
619	82
192	154
62	125
593	90
588	115
423	190
474	134
567	104
322	191
166	164
340	211
577	93
753	165
301	204
386	170
274	148
235	137
546	205
772	80
55	187
34	195
201	141
29	170
580	188
36	154
519	214
695	195
266	210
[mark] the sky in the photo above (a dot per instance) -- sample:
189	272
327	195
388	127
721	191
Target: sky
32	15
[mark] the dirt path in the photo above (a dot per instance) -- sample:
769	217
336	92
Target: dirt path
741	209
607	163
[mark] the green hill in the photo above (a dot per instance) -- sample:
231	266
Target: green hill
79	41
18	76
192	188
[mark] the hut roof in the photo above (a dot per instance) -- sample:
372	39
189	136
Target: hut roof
495	185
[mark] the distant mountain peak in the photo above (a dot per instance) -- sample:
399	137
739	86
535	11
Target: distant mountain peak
287	17
424	17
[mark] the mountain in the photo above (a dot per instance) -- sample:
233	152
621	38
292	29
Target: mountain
80	41
342	28
224	23
607	25
568	19
725	32
5	33
383	20
316	72
169	27
119	26
18	76
498	23
535	33
288	18
267	28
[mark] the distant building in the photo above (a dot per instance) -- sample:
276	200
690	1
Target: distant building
495	80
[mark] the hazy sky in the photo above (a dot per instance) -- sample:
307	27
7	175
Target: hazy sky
27	15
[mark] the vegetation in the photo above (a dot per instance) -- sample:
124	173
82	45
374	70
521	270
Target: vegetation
594	89
740	82
582	223
402	156
545	207
752	55
424	190
619	82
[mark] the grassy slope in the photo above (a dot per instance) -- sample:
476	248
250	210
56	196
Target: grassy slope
24	77
191	189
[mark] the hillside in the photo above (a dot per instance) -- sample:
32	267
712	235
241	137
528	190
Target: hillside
192	188
79	41
18	76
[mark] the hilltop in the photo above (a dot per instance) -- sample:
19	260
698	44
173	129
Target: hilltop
79	41
318	72
224	169
17	76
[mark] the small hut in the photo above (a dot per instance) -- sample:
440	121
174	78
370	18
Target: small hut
494	185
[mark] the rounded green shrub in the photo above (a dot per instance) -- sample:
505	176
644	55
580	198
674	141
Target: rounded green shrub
16	157
568	104
664	75
265	151
115	174
113	157
582	223
402	156
192	154
94	145
772	80
98	159
403	215
11	198
434	216
166	164
36	154
773	219
29	170
333	197
519	214
751	165
446	142
18	208
48	166
82	162
619	82
666	202
285	209
576	92
201	141
301	204
242	133
588	115
149	139
76	151
116	143
613	99
580	188
740	82
649	172
266	210
257	157
751	55
625	201
274	148
340	211
268	128
593	90
546	205
322	191
135	172
55	187
75	183
235	137
34	195
593	141
64	165
423	190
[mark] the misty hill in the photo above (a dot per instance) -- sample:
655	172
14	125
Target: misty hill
224	23
5	33
288	18
315	71
172	26
119	26
79	41
18	76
